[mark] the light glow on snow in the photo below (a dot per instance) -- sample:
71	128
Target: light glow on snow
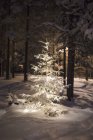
27	110
2	112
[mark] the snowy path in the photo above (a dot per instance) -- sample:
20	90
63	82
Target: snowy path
76	125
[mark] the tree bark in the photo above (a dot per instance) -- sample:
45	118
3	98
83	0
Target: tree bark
0	69
8	48
64	66
1	50
3	68
26	47
71	60
70	72
8	61
86	74
13	60
0	61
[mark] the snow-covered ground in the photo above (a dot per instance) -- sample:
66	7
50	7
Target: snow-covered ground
31	121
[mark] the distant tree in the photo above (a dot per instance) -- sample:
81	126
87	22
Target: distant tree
8	45
64	66
13	59
26	44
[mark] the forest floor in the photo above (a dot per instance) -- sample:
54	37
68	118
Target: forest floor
21	122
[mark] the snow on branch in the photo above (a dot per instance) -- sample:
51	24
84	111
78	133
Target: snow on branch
56	26
73	31
53	25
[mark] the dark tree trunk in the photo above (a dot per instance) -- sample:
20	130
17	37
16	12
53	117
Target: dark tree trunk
0	69
64	66
86	74
3	67
26	47
26	62
71	60
3	59
70	71
0	62
8	48
1	50
13	60
8	61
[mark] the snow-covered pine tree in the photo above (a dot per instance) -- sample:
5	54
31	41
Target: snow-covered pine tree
45	61
50	84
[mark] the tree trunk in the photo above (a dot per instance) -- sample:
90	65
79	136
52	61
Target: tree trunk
8	61
26	47
0	69
8	47
1	50
64	66
0	62
13	60
86	74
71	60
70	72
3	67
